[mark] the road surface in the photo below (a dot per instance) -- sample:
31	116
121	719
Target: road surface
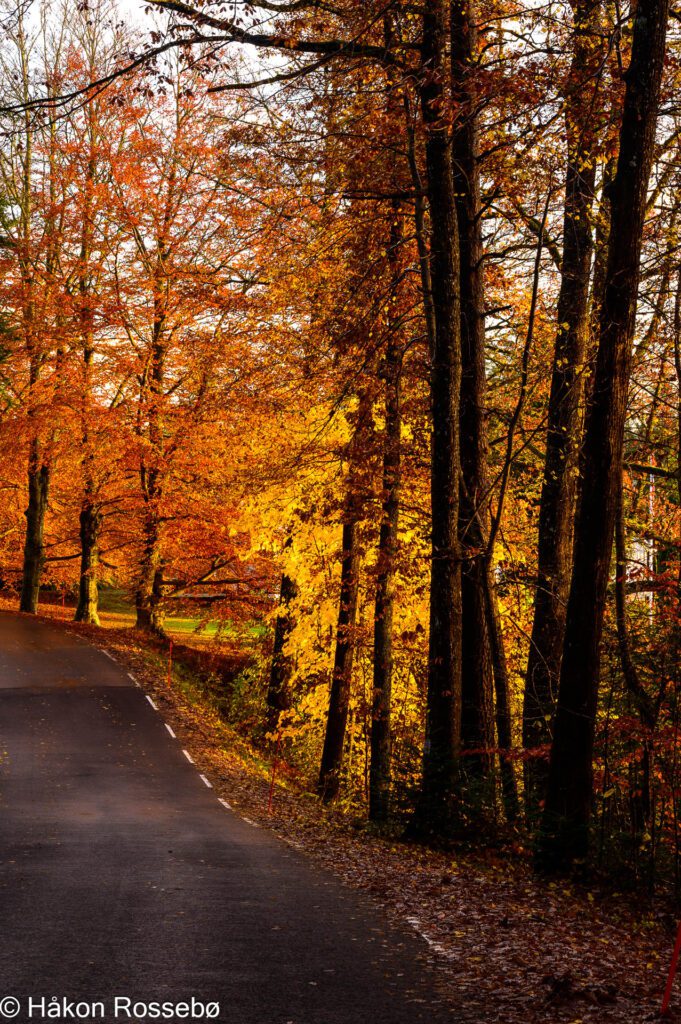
121	874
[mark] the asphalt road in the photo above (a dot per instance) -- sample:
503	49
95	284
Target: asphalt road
121	874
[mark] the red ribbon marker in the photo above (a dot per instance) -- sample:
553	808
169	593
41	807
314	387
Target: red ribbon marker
672	971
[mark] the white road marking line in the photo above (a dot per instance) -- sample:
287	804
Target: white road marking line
170	730
131	676
434	945
249	822
205	781
188	756
151	702
225	804
291	842
107	654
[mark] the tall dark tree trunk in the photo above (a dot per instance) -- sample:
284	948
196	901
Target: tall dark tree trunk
381	734
39	467
149	593
341	680
438	806
381	694
90	514
477	712
278	688
88	598
34	544
328	784
567	813
556	513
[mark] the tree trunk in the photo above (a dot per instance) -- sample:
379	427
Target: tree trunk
437	810
567	813
600	262
557	506
328	784
477	714
641	800
677	368
339	700
381	737
502	693
149	614
381	697
278	689
90	515
34	545
150	585
88	598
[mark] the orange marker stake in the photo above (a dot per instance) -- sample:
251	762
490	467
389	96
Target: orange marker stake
666	999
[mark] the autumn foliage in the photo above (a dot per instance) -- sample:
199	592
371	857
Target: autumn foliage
354	331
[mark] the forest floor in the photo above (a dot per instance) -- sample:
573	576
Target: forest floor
509	947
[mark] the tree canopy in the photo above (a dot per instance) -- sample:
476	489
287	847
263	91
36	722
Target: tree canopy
354	329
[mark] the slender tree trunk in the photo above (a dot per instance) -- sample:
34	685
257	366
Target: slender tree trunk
567	813
328	784
438	806
484	665
501	682
677	368
278	688
381	735
381	696
556	512
640	802
90	515
149	595
39	470
90	522
600	262
477	713
34	545
339	700
502	693
421	229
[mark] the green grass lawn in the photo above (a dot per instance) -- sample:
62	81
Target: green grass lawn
115	606
190	626
117	611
